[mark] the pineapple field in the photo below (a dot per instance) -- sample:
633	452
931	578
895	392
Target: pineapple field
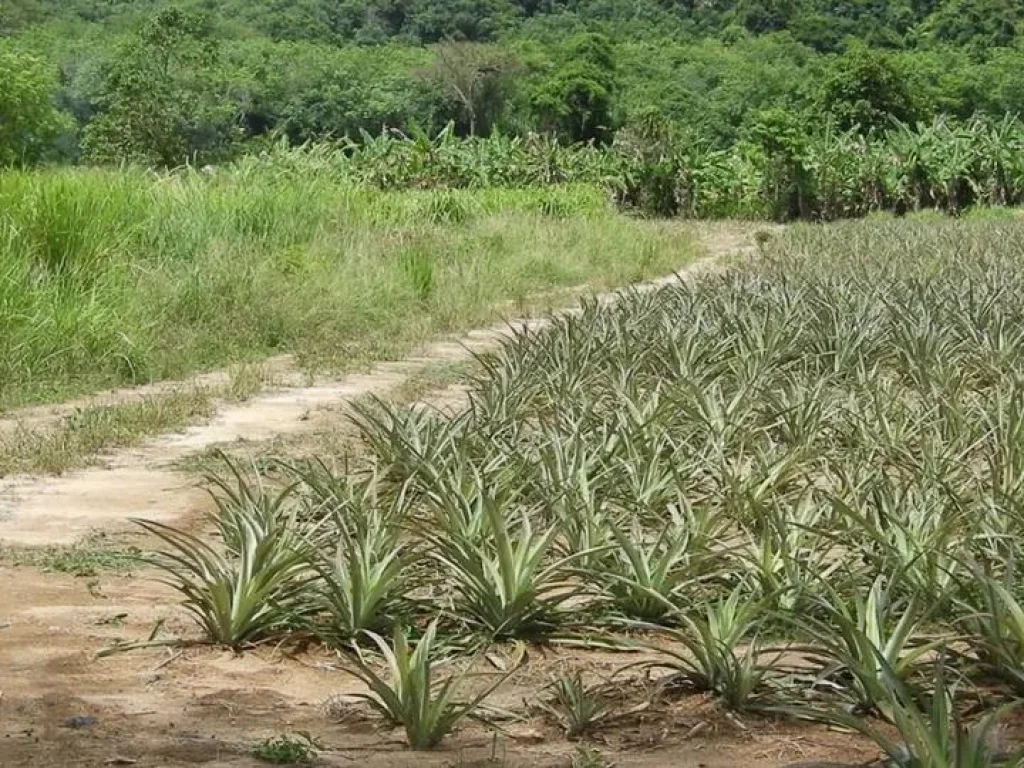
512	383
781	492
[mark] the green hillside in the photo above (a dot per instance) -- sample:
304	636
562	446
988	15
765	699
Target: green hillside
201	80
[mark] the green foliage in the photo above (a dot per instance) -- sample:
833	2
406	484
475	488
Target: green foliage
503	581
709	657
977	24
865	91
88	558
867	643
783	145
833	426
932	734
996	630
577	99
515	66
459	19
365	577
110	278
236	597
477	78
577	707
29	120
158	104
328	93
647	576
588	757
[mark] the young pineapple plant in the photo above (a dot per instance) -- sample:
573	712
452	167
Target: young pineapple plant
996	632
505	583
410	695
363	578
259	579
259	588
579	708
929	730
648	577
861	643
717	651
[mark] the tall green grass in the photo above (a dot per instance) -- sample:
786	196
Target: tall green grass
112	277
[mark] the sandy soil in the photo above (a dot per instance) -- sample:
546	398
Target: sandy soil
201	705
62	705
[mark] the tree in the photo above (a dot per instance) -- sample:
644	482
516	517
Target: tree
577	100
475	77
29	120
475	20
978	24
160	101
764	15
864	89
349	91
17	14
781	137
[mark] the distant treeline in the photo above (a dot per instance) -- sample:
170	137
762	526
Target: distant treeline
161	83
650	168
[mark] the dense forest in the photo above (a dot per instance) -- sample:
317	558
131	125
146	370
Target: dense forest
164	82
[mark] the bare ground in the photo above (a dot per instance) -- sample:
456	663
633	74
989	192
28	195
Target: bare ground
61	705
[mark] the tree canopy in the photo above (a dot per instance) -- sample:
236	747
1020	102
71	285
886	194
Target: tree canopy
164	82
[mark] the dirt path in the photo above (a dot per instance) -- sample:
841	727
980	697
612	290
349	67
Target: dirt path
141	483
60	705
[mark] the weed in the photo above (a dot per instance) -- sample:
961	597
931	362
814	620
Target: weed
288	749
89	558
80	437
578	708
588	757
100	290
420	272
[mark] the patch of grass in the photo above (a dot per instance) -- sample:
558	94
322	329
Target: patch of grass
246	380
577	707
332	436
588	757
288	749
88	558
79	438
181	272
433	378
